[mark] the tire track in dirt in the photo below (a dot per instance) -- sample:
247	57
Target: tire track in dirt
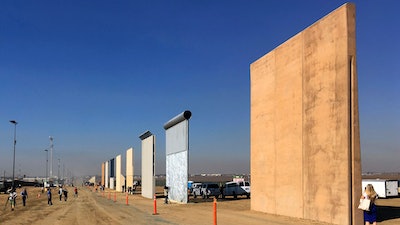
130	214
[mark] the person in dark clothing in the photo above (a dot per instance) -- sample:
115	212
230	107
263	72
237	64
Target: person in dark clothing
24	195
65	194
49	202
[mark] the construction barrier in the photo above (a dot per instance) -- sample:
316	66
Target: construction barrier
155	205
215	211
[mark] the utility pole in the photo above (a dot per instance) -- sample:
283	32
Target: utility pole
15	143
47	165
58	175
51	156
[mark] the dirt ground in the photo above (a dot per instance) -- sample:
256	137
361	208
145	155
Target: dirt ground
91	207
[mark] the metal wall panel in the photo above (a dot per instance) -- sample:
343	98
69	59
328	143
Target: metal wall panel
177	157
177	138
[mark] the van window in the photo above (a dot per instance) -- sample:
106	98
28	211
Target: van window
247	183
231	185
213	186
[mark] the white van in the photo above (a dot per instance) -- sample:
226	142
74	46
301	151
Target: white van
236	188
384	188
196	189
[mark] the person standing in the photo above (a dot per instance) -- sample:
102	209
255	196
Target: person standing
76	192
49	202
166	189
65	191
24	195
11	198
370	216
60	193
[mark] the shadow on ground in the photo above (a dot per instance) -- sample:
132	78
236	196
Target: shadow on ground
387	213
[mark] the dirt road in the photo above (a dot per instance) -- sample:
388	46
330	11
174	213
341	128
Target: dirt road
92	207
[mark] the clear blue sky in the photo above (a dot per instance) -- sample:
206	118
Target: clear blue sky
97	74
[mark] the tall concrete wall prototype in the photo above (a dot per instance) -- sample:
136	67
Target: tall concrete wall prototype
111	167
129	168
305	151
177	157
102	173
106	175
118	178
148	164
112	182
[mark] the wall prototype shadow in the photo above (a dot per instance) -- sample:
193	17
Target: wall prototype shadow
387	213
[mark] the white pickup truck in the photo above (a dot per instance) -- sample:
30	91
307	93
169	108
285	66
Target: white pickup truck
236	188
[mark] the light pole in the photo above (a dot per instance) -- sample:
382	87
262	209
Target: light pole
51	156
58	174
15	142
47	164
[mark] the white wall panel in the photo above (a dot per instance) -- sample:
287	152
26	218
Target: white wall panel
118	186
148	160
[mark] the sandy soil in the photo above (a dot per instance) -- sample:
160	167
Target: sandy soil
92	207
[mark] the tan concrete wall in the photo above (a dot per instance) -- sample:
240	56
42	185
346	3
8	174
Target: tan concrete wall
129	167
102	173
305	153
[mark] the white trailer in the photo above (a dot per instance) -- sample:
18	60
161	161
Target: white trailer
384	188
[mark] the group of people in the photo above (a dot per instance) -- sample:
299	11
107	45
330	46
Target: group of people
13	196
62	192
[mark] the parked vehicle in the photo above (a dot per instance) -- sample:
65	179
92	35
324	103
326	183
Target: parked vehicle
384	188
236	188
3	187
210	189
196	189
